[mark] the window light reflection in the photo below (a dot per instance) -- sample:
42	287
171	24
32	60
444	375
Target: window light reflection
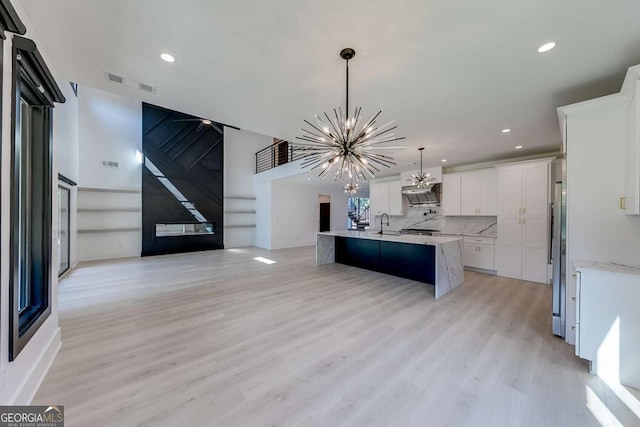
264	260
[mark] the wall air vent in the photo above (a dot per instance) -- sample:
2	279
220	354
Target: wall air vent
134	84
110	164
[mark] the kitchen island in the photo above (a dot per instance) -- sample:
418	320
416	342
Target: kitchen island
430	259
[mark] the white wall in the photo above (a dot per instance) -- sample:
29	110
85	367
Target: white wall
239	168
295	212
66	152
20	379
597	229
110	129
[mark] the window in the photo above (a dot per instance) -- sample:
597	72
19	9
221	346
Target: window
31	193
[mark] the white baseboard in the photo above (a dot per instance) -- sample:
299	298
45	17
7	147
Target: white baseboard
39	370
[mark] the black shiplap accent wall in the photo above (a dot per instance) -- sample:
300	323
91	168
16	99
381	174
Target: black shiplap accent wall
193	161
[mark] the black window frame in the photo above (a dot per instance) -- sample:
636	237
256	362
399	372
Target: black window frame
33	83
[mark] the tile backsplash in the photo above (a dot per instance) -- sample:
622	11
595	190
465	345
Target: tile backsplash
432	219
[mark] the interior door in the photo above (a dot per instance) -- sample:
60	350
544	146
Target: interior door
325	216
63	238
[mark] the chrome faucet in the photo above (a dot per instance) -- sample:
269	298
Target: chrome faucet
381	217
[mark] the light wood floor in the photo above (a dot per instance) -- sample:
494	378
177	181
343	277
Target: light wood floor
219	339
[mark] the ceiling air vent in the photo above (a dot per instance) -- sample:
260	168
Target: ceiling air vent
116	78
112	77
147	88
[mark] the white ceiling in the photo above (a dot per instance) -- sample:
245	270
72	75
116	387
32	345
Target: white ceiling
452	73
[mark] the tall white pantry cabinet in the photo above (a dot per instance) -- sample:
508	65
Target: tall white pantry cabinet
523	220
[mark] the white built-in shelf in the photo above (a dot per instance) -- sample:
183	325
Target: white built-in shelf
108	190
240	197
108	230
109	209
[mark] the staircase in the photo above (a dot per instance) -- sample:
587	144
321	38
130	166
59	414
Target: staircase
358	213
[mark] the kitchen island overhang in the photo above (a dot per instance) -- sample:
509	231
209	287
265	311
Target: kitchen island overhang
429	259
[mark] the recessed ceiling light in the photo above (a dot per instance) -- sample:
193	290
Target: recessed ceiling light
506	130
206	122
167	58
546	47
308	179
518	147
444	160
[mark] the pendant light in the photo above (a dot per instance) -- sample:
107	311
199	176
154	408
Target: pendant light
423	180
351	188
344	145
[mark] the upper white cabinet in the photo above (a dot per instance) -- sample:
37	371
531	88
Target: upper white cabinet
451	192
470	193
631	202
386	197
479	192
523	220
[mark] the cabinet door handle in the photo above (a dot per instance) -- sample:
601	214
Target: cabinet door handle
519	220
520	210
623	203
524	210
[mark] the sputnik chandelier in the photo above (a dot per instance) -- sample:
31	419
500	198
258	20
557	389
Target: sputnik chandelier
422	180
351	188
347	146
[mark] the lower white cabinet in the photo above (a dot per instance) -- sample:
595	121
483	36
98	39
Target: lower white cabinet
608	320
479	252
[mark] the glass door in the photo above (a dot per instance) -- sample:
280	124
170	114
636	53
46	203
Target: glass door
63	229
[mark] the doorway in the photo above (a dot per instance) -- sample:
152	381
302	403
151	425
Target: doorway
325	213
64	227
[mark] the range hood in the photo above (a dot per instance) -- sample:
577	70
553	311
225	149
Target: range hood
427	197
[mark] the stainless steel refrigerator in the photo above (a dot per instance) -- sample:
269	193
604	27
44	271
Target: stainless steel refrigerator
559	257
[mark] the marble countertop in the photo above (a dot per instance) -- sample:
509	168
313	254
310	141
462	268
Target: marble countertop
440	233
607	267
407	238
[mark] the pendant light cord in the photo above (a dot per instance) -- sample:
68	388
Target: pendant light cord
347	112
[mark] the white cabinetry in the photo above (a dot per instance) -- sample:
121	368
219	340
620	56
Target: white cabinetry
523	220
608	320
386	197
451	191
470	193
479	192
479	252
631	88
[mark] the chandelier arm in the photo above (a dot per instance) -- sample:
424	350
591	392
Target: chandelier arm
316	142
319	130
375	135
332	125
340	122
369	123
